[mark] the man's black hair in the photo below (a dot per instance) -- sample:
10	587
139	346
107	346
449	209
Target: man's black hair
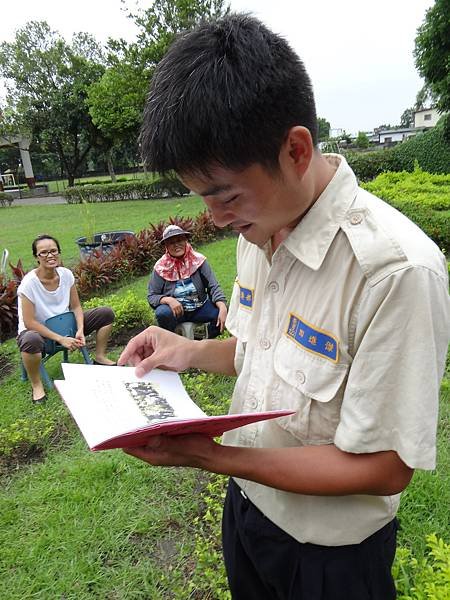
44	236
225	93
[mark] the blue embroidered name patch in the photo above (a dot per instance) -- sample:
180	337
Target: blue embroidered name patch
312	339
245	297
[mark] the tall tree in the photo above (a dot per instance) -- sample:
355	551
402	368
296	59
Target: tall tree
165	18
47	86
407	118
362	141
115	104
116	101
432	52
324	129
425	98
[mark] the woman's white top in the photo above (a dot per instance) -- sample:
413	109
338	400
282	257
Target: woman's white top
46	303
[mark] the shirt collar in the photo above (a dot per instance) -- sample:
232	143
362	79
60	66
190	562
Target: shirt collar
310	240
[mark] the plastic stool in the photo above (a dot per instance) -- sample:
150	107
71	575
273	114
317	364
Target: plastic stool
192	331
186	329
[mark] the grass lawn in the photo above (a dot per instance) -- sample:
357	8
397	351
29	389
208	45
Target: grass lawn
76	525
19	225
82	525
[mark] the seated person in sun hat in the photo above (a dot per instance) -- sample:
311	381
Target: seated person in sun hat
47	291
183	286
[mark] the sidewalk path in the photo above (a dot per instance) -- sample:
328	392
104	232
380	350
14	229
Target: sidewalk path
36	200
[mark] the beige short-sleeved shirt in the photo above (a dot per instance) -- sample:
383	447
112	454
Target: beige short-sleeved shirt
348	324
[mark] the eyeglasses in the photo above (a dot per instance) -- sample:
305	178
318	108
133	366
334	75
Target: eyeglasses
46	253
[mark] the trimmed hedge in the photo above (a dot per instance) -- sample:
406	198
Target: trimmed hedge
367	165
431	150
140	189
422	197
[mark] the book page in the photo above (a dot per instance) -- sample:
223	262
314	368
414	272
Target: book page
110	401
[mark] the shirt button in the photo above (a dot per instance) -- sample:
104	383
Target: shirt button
253	403
264	343
301	377
356	219
273	286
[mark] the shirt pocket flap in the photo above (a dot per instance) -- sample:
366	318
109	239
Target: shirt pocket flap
315	377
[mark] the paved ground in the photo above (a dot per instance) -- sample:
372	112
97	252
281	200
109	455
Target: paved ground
39	200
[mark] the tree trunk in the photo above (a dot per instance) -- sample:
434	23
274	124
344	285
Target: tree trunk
110	165
70	179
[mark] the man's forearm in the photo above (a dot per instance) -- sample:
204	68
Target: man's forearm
314	470
214	356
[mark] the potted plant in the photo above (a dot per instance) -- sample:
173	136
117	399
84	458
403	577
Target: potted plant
104	241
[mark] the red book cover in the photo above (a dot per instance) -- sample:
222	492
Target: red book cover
115	409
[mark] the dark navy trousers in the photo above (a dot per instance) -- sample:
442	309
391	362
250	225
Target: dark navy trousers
263	562
207	313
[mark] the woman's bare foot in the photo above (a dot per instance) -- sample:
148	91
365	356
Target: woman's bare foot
104	360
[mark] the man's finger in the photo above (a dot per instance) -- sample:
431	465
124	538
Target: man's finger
132	348
146	365
132	360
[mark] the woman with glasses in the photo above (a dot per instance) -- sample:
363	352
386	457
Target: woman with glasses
183	286
47	291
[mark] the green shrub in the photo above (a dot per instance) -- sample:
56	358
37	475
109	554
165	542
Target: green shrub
101	181
139	189
430	149
367	165
426	579
422	197
27	436
131	312
209	578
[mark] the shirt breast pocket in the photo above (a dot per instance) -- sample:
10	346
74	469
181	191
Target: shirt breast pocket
312	386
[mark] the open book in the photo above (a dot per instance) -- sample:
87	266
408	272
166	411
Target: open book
115	409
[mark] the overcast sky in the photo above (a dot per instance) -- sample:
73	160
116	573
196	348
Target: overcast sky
358	52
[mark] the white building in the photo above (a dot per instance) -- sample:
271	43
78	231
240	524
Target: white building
426	117
393	136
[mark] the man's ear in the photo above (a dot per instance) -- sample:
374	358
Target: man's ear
297	149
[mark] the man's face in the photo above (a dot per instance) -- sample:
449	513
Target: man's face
254	201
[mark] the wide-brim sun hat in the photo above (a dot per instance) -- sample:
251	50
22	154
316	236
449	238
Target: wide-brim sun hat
173	231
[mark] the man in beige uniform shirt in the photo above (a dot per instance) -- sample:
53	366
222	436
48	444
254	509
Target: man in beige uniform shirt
340	311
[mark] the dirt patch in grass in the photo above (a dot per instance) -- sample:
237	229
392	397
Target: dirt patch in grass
26	454
6	366
11	464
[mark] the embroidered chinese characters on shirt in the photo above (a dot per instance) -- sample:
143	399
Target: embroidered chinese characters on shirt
246	297
312	338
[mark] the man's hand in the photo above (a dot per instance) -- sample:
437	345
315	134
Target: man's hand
156	347
175	306
191	450
222	316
